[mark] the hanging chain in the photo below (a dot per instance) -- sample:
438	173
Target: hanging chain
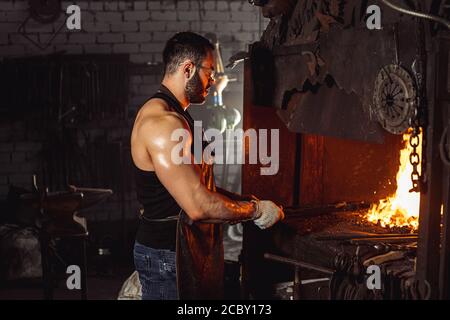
414	159
419	120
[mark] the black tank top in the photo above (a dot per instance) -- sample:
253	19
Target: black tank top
158	221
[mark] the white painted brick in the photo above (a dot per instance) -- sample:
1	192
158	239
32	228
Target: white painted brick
96	5
12	50
236	5
188	16
135	79
65	4
162	36
20	39
178	26
98	48
183	5
138	100
244	36
167	4
152	26
249	8
126	48
6	5
230	27
111	5
141	58
208	26
151	79
124	27
157	57
194	5
138	37
154	5
70	48
251	26
13	16
140	5
109	16
223	6
110	38
164	15
59	38
209	5
134	89
216	16
82	38
148	89
125	5
21	5
8	27
195	26
86	16
226	38
136	15
152	47
82	4
96	26
244	16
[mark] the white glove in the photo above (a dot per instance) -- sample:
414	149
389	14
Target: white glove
269	213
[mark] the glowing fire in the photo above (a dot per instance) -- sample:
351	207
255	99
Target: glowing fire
401	209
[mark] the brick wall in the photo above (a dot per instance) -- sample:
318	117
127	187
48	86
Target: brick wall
138	28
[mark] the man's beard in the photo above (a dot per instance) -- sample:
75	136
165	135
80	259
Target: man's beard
194	90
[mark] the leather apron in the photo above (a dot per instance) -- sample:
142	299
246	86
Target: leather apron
199	246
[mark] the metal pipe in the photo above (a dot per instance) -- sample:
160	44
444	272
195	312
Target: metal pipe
417	14
298	263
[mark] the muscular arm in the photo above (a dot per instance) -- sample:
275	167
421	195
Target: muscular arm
183	180
235	196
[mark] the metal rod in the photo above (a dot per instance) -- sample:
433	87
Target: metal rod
394	239
298	263
304	212
366	236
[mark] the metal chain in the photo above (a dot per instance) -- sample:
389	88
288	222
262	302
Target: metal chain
418	120
414	159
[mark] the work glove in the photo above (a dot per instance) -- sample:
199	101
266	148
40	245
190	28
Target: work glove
268	213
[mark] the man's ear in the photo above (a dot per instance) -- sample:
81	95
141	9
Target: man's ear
189	70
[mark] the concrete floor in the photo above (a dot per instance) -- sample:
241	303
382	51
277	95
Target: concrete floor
100	286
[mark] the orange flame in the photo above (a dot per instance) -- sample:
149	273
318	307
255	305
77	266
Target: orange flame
401	209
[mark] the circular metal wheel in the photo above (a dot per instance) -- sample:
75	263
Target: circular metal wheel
45	11
394	99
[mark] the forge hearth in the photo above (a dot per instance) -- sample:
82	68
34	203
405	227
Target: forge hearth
336	246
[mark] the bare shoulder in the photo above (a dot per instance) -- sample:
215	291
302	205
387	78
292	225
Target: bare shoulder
156	120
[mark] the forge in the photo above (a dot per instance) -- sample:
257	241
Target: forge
361	114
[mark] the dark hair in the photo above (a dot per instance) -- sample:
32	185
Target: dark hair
182	46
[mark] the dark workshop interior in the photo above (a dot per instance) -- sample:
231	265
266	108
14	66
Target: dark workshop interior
358	90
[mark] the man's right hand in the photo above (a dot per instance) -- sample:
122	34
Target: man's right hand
268	214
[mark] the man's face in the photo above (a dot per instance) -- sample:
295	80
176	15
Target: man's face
197	88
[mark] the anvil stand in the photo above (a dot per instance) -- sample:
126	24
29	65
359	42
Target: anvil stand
55	230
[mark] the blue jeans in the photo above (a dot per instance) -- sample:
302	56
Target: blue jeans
157	272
